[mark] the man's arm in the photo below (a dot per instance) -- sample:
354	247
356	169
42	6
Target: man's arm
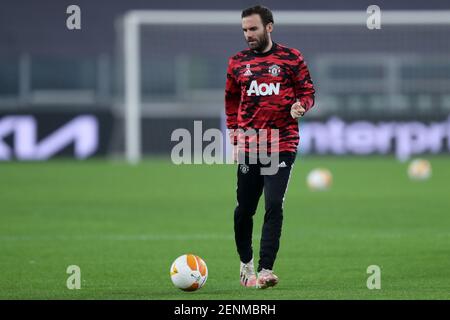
304	89
232	101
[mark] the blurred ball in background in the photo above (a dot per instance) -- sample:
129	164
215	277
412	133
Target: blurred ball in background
419	169
319	179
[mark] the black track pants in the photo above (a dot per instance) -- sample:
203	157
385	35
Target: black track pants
250	185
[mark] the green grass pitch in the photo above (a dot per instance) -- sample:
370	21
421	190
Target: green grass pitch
123	226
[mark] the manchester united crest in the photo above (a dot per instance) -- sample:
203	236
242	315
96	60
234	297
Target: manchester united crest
244	168
274	70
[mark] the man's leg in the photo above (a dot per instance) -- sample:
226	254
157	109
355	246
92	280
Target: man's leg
275	187
250	184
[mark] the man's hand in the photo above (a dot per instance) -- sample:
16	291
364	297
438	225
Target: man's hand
297	110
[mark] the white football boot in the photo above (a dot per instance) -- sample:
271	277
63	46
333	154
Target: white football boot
266	279
248	275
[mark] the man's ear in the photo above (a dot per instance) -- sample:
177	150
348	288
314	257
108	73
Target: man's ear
269	27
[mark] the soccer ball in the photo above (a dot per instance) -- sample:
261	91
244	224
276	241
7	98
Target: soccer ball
419	169
189	272
319	179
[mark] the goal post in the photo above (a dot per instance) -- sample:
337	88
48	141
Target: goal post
134	20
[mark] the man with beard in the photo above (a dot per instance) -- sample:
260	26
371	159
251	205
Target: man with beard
268	87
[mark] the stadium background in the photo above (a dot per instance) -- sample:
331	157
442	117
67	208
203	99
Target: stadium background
110	218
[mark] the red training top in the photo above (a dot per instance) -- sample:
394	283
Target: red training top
262	87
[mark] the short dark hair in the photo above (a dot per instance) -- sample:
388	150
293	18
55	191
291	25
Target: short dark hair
264	12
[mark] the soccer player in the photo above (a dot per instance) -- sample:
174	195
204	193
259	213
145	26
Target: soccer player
268	86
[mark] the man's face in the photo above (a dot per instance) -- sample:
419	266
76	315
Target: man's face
256	35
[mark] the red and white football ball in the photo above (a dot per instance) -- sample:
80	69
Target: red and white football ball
189	272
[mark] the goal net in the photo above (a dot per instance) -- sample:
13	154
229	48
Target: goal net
174	64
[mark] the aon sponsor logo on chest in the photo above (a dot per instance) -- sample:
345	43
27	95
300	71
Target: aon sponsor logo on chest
263	89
